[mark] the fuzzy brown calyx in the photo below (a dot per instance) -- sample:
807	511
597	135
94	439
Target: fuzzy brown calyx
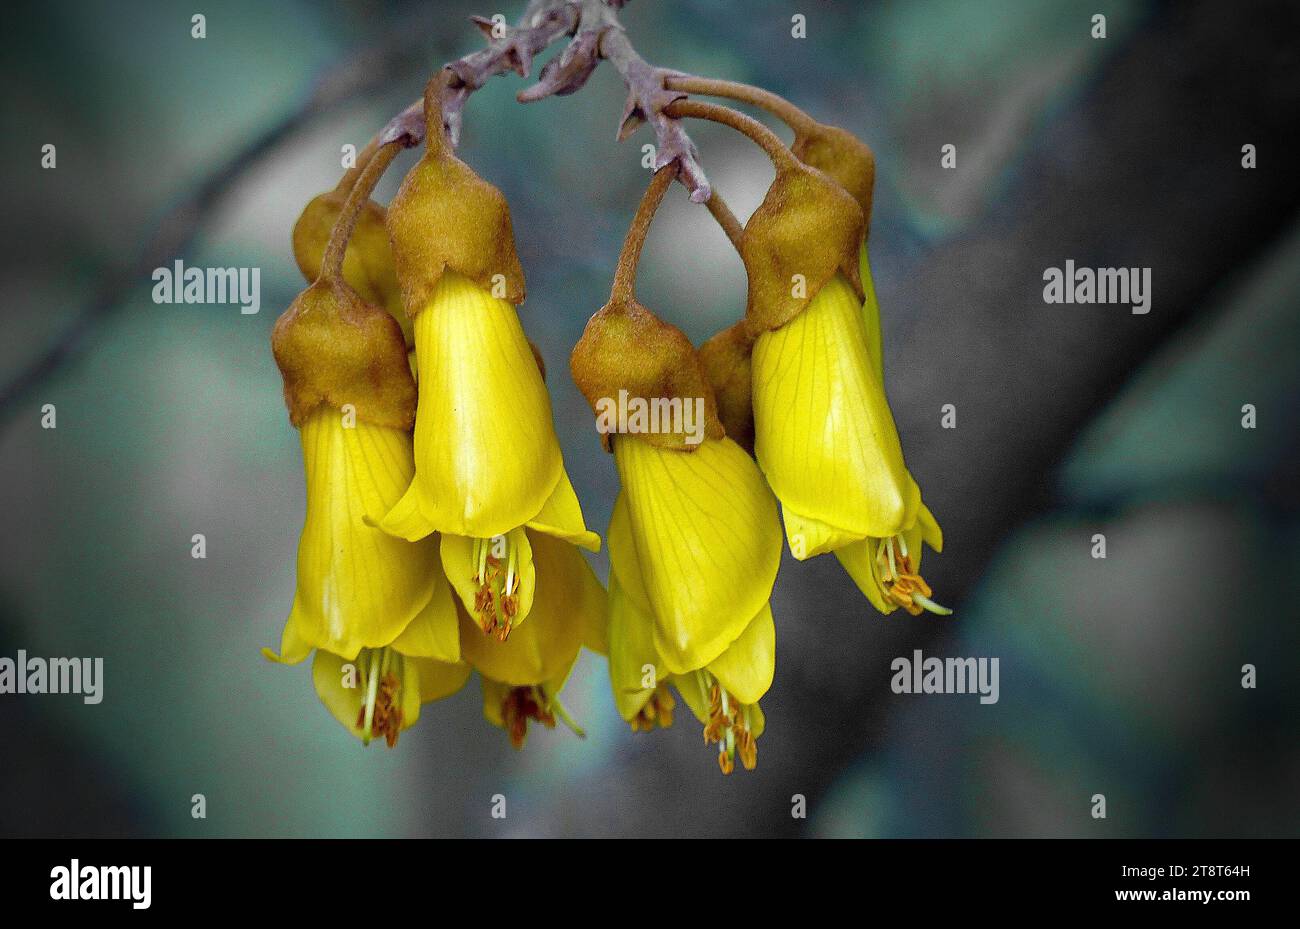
843	156
727	365
446	217
334	349
368	261
806	230
628	353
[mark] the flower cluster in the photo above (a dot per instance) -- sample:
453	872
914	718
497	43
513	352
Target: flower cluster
442	533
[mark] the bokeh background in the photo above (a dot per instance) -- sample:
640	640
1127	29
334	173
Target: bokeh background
1119	676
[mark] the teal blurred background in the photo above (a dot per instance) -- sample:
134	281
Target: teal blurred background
1120	677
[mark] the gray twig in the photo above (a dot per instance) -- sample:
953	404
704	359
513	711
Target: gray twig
599	35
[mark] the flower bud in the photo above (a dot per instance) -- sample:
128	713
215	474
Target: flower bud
626	347
335	349
727	366
806	230
368	261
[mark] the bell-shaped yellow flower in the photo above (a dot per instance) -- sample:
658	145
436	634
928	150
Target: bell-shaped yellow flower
488	462
824	434
357	587
826	440
377	692
733	682
707	539
524	674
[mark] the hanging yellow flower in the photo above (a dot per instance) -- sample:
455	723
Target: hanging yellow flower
378	693
824	434
723	694
523	675
487	461
372	606
695	542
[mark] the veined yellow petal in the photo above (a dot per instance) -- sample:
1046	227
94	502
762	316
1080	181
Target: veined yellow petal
859	560
543	648
341	685
707	540
634	666
561	516
809	537
495	578
824	434
748	665
485	447
623	561
435	631
357	587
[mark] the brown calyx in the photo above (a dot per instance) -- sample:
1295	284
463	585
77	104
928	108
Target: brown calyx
334	349
807	229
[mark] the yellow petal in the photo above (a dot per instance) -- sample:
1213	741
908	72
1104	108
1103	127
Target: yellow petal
707	539
634	666
545	647
871	314
357	587
341	685
931	534
859	560
435	631
477	565
693	694
561	516
824	434
809	537
485	448
438	679
494	694
293	648
746	668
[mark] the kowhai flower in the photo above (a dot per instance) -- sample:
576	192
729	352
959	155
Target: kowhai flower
824	433
364	599
694	543
489	474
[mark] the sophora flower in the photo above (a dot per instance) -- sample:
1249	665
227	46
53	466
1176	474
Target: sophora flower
824	433
488	467
362	597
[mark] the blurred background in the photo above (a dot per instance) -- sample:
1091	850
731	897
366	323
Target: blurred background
1120	677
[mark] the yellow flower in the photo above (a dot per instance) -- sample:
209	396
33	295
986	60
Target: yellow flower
724	694
708	543
357	587
523	675
826	440
379	692
488	463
